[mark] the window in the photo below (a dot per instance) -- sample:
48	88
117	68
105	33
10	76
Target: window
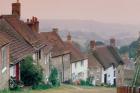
47	59
82	63
4	59
39	54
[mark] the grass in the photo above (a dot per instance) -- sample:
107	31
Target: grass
68	89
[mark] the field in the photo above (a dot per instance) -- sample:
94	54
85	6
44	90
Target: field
72	89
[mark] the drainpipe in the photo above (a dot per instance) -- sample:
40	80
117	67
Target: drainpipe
63	68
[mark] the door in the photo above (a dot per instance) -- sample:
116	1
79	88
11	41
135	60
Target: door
105	78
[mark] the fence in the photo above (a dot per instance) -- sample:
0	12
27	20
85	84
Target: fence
125	89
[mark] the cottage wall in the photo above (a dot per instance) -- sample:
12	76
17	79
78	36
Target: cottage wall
110	75
80	70
62	63
96	74
44	62
4	73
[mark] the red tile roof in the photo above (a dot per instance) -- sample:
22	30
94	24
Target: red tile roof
76	54
19	48
54	39
92	61
23	29
3	41
107	56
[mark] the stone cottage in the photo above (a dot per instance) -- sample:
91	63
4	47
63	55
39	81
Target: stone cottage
109	59
60	56
79	62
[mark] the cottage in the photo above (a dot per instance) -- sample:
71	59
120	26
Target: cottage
4	62
25	41
60	56
109	59
94	69
79	62
19	48
125	74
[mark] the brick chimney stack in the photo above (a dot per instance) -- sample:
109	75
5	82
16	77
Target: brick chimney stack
93	44
112	42
69	37
55	30
16	9
33	24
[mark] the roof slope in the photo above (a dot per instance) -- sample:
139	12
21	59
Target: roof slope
3	40
92	61
76	54
24	30
54	39
19	48
107	56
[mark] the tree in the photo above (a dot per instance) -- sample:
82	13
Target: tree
53	78
31	74
124	49
131	49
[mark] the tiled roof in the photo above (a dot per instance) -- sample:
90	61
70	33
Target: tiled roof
76	54
23	29
92	61
54	39
19	48
3	40
107	56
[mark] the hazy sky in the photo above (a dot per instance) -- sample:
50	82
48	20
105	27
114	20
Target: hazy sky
116	11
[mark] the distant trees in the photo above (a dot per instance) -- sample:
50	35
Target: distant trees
124	49
130	49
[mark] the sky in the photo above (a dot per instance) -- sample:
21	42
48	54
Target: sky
108	11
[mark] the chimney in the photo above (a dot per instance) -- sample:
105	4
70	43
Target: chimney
112	42
69	37
93	44
33	24
16	9
55	30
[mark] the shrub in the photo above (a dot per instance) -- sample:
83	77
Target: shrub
82	82
53	78
31	74
89	81
14	84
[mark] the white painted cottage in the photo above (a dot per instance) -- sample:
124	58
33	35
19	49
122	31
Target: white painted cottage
108	57
79	63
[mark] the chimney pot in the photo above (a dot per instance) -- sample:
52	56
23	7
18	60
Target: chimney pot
69	37
112	42
93	44
55	29
28	20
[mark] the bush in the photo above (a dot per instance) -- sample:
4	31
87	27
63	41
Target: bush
82	82
31	74
53	78
14	84
89	81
